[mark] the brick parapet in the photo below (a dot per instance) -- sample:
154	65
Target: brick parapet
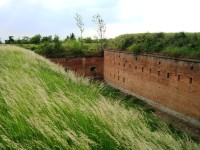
172	83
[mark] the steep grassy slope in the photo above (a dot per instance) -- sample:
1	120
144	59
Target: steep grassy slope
43	107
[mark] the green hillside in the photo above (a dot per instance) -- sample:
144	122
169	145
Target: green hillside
180	44
44	107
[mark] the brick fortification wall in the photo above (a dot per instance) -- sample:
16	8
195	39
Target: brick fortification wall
172	85
82	66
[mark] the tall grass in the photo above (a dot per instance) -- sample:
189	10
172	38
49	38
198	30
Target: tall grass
43	107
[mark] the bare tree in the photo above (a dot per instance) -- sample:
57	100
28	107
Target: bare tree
101	27
79	23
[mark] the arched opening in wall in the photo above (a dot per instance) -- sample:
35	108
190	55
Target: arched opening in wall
179	77
142	69
168	75
150	71
159	62
135	67
191	68
190	80
93	71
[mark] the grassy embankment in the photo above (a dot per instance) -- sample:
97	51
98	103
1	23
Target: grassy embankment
44	107
69	48
186	45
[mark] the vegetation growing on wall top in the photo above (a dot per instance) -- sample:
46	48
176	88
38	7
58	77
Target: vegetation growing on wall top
171	44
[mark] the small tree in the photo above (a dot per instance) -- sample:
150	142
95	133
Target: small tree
72	36
101	27
25	40
36	39
47	39
79	23
10	40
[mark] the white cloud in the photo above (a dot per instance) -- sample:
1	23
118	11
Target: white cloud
4	3
156	16
121	16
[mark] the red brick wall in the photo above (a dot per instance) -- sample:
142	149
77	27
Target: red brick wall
82	66
170	82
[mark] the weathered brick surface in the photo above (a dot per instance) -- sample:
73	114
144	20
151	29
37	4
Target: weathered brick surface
82	66
170	82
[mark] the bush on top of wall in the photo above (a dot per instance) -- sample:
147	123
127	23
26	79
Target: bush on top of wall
171	44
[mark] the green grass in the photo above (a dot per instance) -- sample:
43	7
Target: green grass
70	48
182	44
44	107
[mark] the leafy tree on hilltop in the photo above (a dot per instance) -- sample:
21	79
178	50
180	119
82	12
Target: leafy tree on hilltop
10	40
47	39
36	39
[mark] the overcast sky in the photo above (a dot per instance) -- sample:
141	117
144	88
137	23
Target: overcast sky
56	17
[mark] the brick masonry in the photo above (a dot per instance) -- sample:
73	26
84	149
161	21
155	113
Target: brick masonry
92	66
170	84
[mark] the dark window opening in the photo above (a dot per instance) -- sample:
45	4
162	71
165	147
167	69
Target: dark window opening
135	67
142	69
190	80
159	62
135	58
167	75
158	73
75	70
191	67
118	77
179	77
93	71
66	60
123	79
149	70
